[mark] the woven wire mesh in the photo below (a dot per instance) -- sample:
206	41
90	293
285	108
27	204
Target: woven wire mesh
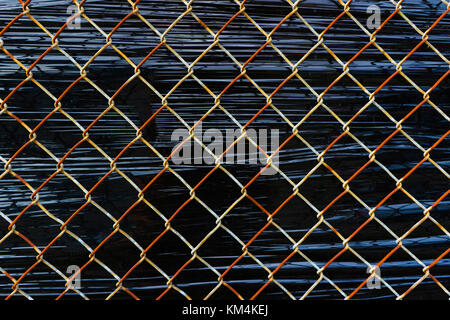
86	117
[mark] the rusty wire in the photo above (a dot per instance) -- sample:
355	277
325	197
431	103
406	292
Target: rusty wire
145	256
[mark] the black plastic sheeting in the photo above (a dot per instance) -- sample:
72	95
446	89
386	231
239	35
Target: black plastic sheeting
109	71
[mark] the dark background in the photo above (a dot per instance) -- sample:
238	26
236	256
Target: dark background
112	133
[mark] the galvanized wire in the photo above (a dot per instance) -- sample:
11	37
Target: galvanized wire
295	66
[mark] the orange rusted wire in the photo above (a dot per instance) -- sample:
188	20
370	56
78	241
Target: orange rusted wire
241	11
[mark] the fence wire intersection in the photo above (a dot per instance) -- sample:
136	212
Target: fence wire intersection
294	66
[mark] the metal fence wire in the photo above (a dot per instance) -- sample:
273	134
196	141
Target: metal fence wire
93	206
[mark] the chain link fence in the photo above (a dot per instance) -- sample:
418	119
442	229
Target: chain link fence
93	205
